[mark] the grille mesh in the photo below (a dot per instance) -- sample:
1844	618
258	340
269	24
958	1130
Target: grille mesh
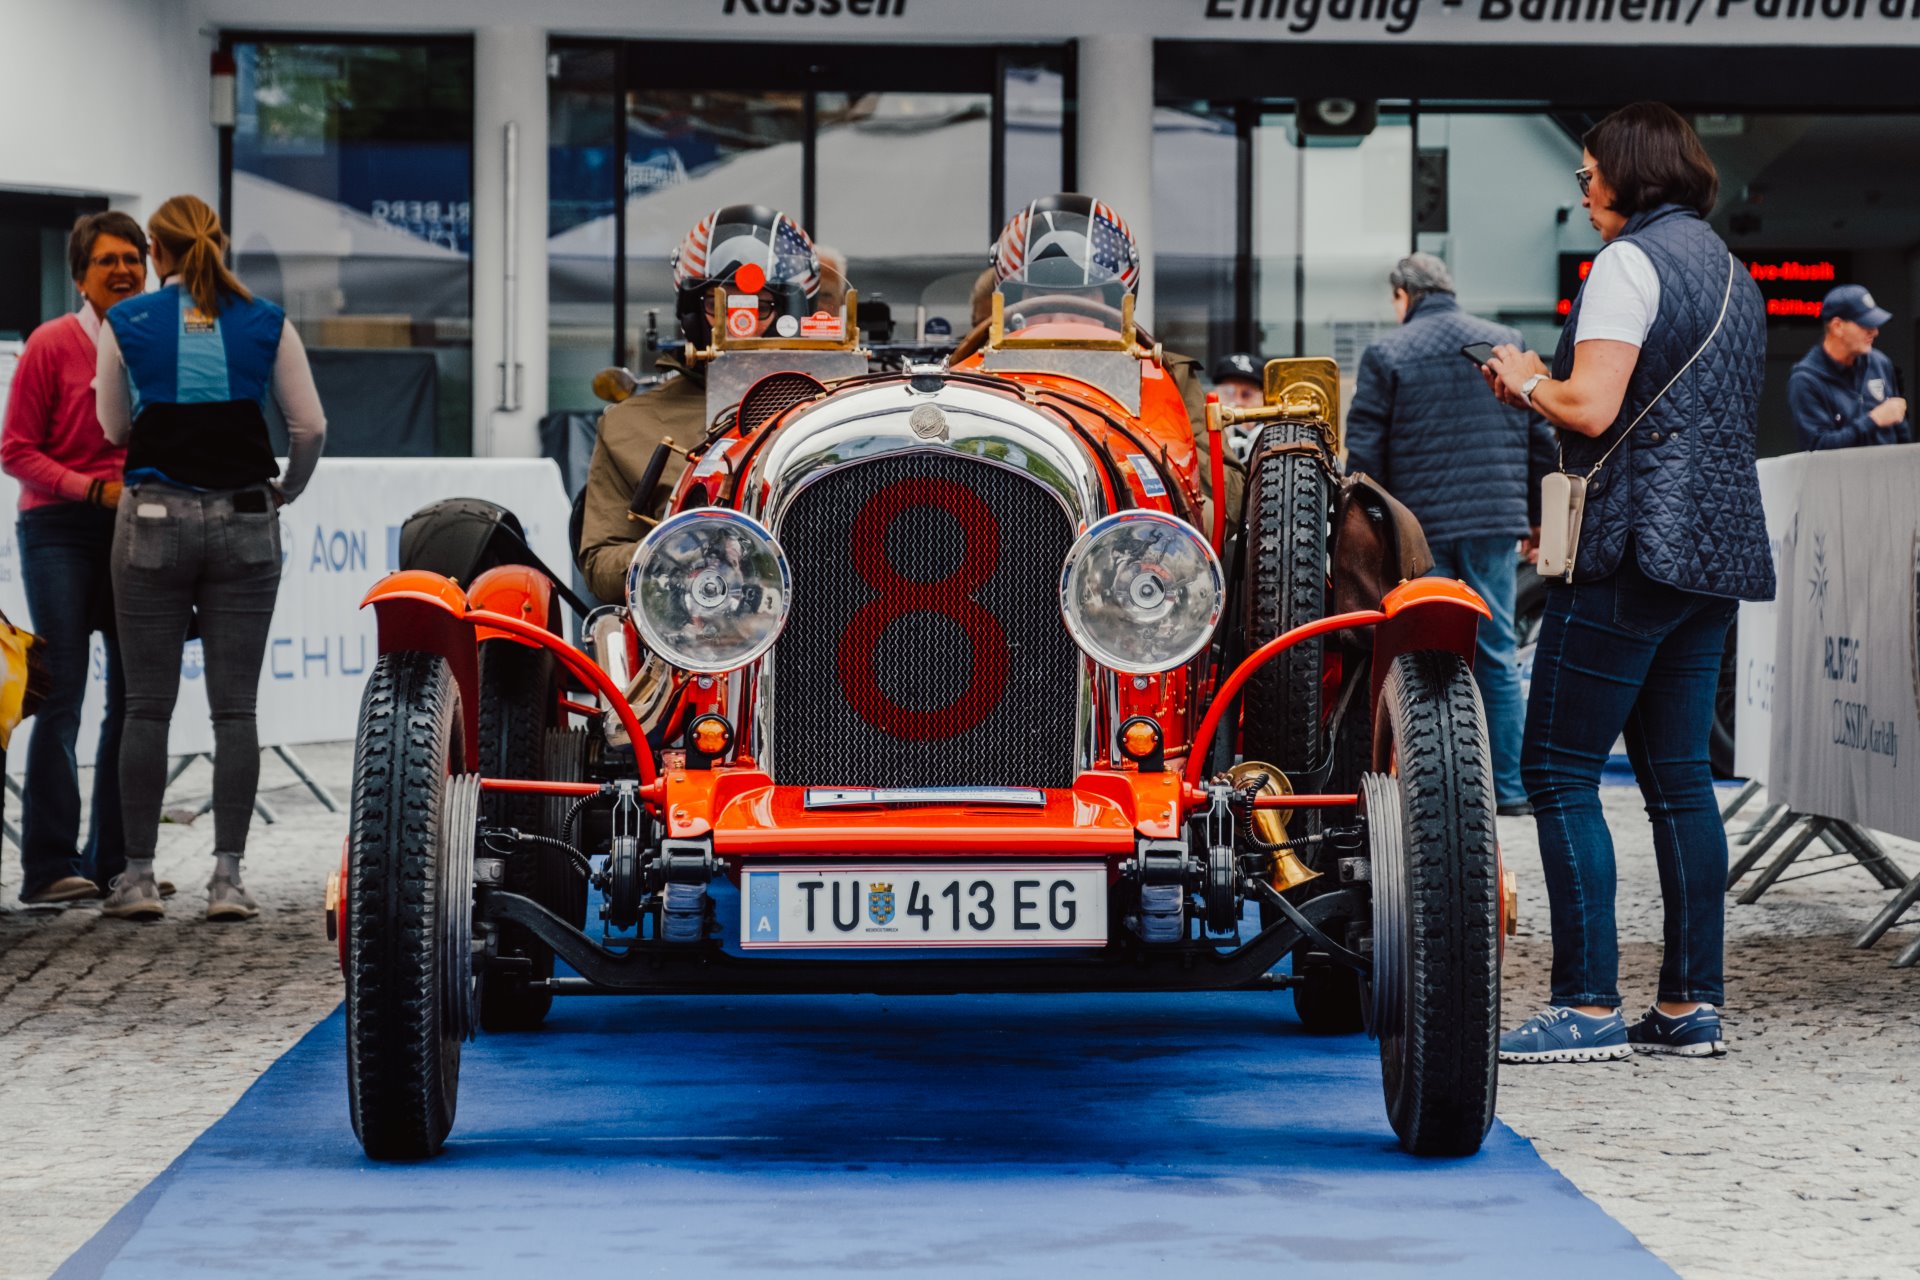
772	396
925	646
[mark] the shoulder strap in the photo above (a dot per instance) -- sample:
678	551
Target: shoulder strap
1732	267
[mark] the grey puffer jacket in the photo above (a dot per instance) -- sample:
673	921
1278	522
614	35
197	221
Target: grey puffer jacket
1424	425
1683	492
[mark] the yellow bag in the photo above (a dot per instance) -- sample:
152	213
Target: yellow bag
24	677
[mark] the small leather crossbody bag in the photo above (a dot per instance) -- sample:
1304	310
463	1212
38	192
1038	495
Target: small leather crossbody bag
1563	494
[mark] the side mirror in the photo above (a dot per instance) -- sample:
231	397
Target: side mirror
614	385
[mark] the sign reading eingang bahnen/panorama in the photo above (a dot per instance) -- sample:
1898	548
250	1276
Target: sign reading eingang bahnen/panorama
1661	22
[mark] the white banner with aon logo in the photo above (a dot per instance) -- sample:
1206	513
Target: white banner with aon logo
1846	673
341	537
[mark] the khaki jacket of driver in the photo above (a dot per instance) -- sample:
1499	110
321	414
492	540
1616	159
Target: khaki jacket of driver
629	432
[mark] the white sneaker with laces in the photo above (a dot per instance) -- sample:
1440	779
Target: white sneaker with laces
134	898
229	900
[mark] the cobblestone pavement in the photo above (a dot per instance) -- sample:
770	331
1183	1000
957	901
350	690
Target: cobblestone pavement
1797	1154
1793	1156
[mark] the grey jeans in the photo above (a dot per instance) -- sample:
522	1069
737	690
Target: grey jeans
178	554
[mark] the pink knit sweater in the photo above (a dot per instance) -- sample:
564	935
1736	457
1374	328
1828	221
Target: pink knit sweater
52	442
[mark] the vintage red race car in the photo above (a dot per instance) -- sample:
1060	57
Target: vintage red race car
934	679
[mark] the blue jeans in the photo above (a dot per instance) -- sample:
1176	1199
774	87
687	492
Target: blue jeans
65	558
1627	654
1488	565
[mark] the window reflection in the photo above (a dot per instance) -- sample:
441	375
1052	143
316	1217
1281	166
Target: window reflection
1195	175
903	187
353	208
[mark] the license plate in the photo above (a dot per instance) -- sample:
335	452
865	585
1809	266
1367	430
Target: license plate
1057	904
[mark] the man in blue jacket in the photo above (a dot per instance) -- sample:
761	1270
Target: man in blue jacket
1843	393
1466	465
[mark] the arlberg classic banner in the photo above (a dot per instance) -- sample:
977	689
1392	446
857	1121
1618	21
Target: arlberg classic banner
1846	675
1652	22
341	537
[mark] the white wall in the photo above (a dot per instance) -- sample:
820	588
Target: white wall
106	97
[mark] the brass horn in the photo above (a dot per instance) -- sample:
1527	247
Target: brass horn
1271	824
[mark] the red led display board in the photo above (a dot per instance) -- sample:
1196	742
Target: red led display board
1793	281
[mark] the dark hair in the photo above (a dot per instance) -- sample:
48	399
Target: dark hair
90	227
1650	156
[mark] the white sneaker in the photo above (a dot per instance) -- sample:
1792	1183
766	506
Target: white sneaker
134	898
227	900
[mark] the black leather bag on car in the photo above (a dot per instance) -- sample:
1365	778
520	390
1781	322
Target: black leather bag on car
1377	545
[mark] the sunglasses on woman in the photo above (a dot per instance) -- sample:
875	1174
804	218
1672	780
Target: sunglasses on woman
1584	176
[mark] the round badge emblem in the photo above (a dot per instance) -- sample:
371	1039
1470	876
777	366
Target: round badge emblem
786	326
741	322
928	422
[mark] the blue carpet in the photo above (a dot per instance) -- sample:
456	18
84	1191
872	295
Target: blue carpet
1097	1135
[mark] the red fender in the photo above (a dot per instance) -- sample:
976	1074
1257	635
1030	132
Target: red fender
1426	613
426	612
517	590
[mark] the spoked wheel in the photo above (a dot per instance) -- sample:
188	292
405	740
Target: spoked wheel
1289	505
519	700
1435	994
409	909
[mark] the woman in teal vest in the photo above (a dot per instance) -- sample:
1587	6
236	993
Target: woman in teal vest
182	381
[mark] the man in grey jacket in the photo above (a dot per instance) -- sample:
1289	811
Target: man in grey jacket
1466	466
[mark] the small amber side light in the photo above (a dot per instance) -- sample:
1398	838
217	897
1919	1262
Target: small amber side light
710	734
1140	739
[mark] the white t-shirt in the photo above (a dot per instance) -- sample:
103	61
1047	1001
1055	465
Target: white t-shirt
1621	296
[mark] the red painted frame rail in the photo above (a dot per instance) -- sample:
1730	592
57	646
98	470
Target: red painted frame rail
1223	696
588	670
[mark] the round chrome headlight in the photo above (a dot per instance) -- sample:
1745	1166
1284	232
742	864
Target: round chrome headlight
709	589
1141	591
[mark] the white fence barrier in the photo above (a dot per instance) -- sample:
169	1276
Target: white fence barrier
1845	695
336	541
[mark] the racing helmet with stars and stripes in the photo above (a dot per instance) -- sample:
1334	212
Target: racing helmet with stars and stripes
1067	243
730	238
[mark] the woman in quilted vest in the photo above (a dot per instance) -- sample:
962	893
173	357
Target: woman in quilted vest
1654	393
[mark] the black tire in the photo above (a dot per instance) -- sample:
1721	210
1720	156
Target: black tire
403	1043
1330	999
1436	888
1288	507
519	697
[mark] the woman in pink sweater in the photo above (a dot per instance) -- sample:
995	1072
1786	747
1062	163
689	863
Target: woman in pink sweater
69	478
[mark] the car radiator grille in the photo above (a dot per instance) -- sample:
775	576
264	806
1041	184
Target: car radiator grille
925	647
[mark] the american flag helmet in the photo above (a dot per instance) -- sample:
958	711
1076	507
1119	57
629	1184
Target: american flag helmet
1067	241
730	238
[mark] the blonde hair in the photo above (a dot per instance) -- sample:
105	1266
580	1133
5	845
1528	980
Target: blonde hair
189	230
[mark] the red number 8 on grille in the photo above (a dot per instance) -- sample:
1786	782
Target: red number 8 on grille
952	597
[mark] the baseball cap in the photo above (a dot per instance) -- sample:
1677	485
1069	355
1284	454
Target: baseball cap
1853	302
1239	365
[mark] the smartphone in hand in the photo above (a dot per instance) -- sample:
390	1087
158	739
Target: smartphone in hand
1478	352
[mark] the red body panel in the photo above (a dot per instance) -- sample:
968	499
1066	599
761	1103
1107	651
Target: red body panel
749	816
517	590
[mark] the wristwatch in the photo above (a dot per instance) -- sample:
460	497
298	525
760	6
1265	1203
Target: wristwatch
1526	388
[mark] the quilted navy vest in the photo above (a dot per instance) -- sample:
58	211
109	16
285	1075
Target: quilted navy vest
1683	491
